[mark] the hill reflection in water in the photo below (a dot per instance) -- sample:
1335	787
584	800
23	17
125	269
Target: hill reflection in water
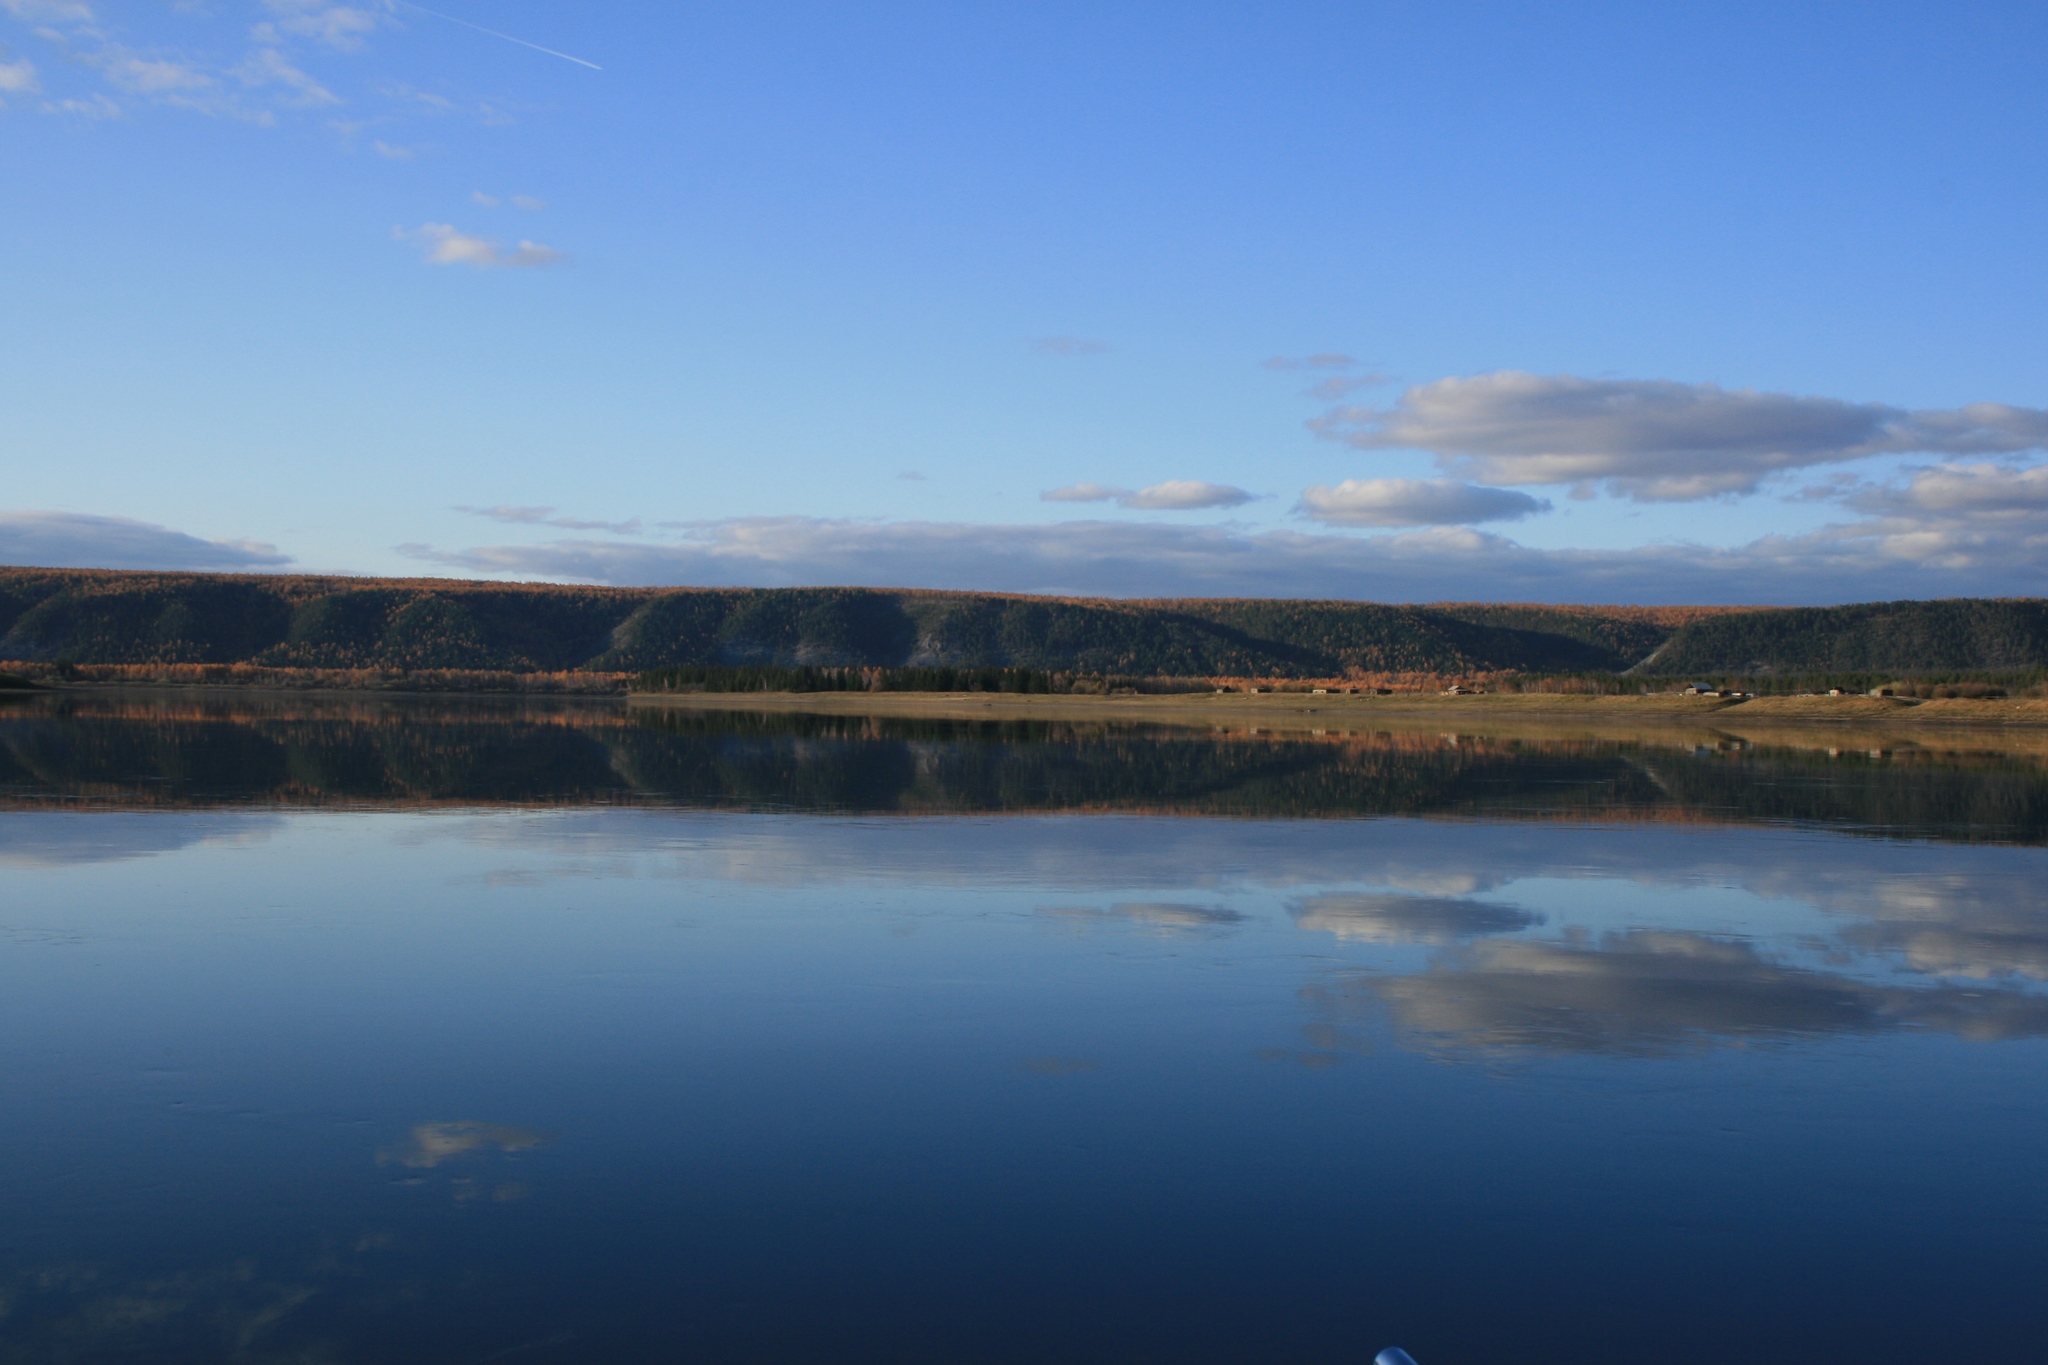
172	753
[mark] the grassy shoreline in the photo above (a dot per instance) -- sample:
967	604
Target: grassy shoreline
1297	710
1849	726
1291	709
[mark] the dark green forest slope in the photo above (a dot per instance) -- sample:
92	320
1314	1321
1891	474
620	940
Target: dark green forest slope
54	616
1959	635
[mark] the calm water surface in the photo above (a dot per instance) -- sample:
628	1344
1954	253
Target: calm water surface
380	1032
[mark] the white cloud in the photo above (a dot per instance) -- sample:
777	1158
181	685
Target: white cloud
446	246
489	201
1186	495
1064	345
2002	491
1413	502
1661	440
339	26
528	203
264	79
390	152
1175	495
19	77
71	540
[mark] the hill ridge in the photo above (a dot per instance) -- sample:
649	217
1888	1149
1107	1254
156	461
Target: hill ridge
328	621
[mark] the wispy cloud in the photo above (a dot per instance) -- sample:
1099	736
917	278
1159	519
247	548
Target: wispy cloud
49	11
1414	502
445	245
269	67
1658	440
1175	495
1341	386
153	77
74	540
212	62
1084	492
1335	383
339	26
545	516
94	106
1065	345
18	77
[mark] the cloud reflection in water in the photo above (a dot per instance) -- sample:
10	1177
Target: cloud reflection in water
1161	915
1371	917
1649	993
431	1144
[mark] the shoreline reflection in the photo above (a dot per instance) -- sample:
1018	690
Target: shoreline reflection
110	754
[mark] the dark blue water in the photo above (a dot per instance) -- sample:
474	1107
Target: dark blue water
836	1049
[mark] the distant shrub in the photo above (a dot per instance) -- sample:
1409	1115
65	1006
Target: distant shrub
1573	684
1976	691
751	678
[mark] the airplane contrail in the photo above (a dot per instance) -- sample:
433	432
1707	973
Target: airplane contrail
495	34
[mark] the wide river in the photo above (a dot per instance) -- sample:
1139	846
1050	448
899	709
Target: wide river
377	1031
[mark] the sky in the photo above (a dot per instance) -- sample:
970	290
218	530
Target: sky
1404	302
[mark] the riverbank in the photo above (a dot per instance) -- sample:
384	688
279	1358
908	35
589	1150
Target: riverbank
1852	730
1309	711
1855	724
1869	726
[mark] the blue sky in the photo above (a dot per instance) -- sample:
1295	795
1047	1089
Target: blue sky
1412	302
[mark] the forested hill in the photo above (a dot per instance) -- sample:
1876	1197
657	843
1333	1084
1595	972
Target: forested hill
87	617
1957	635
102	617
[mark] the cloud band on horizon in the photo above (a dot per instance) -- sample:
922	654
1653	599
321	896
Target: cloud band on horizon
76	540
1907	551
